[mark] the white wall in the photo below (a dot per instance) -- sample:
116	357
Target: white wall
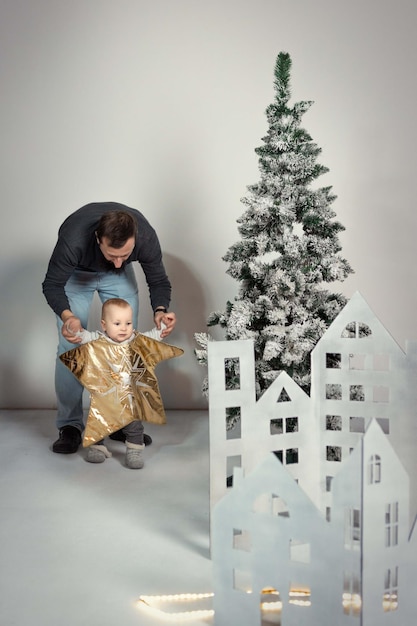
159	104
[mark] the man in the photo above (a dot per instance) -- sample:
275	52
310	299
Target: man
94	253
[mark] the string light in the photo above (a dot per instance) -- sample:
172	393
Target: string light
271	606
300	597
147	603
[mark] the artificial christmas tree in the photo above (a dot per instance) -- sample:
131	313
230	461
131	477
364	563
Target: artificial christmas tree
289	247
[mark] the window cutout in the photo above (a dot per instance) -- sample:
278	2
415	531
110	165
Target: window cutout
329	483
242	540
300	551
357	393
349	332
352	601
231	463
283	396
232	373
328	514
279	506
300	596
276	427
333	422
381	394
333	360
333	392
291	424
242	580
357	424
271	607
352	529
291	456
357	361
363	330
374	469
356	330
391	525
384	423
381	362
390	598
270	504
233	423
333	453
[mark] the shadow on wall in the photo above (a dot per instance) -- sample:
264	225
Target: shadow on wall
180	379
28	343
28	338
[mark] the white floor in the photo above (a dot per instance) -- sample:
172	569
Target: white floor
79	543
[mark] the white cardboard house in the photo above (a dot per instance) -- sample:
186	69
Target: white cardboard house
324	537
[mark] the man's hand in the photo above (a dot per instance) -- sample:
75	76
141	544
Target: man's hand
169	319
70	327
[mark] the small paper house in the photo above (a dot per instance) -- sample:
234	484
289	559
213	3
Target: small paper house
359	373
276	560
321	531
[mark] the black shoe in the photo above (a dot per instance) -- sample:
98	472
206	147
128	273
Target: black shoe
120	436
68	441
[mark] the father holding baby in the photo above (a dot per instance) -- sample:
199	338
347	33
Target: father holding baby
96	247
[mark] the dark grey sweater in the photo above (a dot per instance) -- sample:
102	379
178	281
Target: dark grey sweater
77	248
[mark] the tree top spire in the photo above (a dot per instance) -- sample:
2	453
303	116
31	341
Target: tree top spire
282	76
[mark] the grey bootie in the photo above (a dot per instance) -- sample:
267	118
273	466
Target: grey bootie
97	454
134	458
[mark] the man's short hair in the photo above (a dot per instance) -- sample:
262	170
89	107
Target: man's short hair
117	227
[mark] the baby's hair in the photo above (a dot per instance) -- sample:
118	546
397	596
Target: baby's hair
114	302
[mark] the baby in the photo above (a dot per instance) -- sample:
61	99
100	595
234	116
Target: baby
117	328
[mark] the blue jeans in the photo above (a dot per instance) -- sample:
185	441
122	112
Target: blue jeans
80	290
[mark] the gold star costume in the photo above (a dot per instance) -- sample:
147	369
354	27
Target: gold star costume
121	381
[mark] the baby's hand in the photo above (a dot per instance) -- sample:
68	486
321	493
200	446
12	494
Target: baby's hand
70	328
169	320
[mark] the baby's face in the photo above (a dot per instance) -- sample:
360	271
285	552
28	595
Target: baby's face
118	323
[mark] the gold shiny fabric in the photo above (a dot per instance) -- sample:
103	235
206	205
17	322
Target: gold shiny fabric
121	381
